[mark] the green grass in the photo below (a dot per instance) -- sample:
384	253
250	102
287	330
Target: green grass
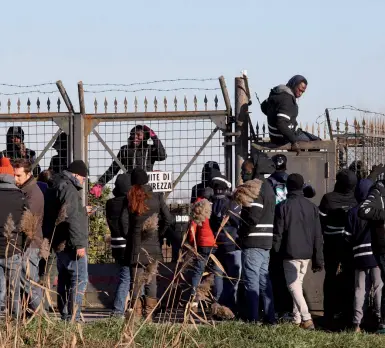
106	334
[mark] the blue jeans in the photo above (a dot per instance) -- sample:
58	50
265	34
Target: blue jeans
255	275
30	271
10	270
72	283
225	288
199	266
122	290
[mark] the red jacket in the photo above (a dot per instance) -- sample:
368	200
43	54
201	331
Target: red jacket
201	236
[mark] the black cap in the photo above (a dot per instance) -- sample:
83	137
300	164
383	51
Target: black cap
78	167
139	177
280	161
295	182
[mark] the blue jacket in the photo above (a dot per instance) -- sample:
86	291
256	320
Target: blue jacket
222	205
358	233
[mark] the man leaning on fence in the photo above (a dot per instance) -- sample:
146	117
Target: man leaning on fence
65	223
31	258
137	153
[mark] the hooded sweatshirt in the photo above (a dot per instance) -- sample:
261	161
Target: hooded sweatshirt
358	232
281	110
114	207
12	204
59	162
334	208
143	156
209	168
13	150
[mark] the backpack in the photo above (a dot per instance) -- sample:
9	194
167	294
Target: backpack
280	190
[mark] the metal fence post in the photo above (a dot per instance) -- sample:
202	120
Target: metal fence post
229	128
241	126
78	135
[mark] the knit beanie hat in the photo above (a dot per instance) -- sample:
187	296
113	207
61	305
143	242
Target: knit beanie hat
219	181
295	182
78	167
139	177
5	166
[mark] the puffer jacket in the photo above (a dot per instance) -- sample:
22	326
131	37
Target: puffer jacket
373	210
143	156
334	209
142	247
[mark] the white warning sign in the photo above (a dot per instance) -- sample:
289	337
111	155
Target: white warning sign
160	181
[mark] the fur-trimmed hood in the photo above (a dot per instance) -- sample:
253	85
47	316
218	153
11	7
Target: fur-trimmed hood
246	194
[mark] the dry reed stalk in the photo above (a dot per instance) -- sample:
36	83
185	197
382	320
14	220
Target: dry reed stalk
30	223
246	194
201	211
150	227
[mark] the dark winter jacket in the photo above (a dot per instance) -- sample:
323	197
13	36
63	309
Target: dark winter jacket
63	197
281	110
297	229
13	150
357	231
143	156
208	171
59	162
256	229
334	209
12	202
222	205
35	200
42	186
142	248
373	210
114	208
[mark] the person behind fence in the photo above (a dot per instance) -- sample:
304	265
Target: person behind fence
65	224
31	257
228	253
59	162
12	208
199	189
281	109
202	239
137	153
372	209
114	208
256	234
339	271
367	272
16	148
298	238
144	220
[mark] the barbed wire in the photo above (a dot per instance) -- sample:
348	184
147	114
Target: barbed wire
150	82
27	86
152	89
350	108
29	92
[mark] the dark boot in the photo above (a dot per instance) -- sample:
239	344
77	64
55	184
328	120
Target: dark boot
149	305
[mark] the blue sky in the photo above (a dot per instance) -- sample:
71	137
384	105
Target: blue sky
338	45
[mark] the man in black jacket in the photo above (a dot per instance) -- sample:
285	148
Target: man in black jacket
12	207
333	210
256	234
138	153
207	172
298	238
373	210
281	110
59	162
114	207
65	223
